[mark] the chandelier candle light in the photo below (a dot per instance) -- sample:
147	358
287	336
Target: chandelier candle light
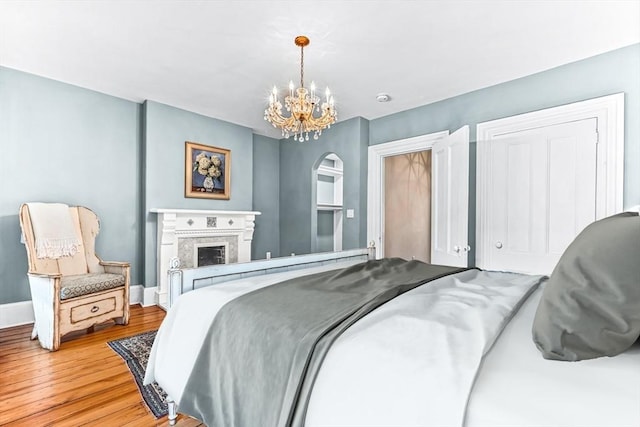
301	104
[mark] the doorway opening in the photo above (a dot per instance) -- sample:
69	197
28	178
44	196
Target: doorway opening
407	206
448	197
376	194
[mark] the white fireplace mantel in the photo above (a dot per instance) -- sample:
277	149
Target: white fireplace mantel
184	225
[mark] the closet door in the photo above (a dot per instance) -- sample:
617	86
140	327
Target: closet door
450	199
542	193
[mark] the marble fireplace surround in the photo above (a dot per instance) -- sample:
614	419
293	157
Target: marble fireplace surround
180	231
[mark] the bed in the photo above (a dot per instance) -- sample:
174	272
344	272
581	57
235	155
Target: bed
457	350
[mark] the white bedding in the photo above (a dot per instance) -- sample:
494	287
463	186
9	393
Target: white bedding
515	387
412	361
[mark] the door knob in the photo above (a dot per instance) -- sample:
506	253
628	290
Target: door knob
456	249
466	248
499	245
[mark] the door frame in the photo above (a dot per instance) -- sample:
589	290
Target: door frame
375	180
609	114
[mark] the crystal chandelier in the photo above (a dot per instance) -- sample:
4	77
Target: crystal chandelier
301	105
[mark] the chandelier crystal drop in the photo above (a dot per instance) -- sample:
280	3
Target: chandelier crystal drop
305	113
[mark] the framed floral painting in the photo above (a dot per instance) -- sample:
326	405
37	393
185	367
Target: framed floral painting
207	171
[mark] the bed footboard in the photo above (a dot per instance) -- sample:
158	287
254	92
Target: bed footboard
189	279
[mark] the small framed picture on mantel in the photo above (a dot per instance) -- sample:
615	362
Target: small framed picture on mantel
207	171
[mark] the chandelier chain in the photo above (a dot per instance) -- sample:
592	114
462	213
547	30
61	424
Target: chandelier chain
301	66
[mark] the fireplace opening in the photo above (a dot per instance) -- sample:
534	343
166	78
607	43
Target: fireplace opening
211	255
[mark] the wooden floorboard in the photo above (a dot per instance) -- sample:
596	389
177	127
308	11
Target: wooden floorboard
84	383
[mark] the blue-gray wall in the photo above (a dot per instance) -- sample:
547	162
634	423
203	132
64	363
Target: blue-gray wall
166	129
349	140
266	189
609	73
62	143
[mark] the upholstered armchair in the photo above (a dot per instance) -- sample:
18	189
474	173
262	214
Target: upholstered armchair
77	291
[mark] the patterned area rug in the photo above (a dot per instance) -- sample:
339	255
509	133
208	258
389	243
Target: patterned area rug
135	352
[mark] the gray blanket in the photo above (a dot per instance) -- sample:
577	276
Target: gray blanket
262	353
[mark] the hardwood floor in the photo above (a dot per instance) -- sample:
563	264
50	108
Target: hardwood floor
85	383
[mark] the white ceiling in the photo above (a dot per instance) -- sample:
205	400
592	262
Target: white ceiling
220	58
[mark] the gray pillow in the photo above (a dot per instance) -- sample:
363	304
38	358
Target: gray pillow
590	306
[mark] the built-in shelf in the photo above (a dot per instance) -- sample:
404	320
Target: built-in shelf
329	202
329	171
328	207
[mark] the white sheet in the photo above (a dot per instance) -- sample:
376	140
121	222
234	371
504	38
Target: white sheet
516	387
412	361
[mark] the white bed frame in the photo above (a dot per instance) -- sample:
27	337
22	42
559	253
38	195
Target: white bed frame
189	279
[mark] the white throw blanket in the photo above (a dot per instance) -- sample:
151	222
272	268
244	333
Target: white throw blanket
53	230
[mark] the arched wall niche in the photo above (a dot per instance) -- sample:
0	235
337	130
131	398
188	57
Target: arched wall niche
327	199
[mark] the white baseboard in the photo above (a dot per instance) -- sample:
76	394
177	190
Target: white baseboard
16	314
146	297
21	313
136	293
150	296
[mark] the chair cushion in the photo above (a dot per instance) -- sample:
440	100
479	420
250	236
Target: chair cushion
85	284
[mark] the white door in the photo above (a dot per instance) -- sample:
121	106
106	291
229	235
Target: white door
450	199
541	194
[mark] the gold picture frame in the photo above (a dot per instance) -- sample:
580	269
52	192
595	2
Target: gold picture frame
207	171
